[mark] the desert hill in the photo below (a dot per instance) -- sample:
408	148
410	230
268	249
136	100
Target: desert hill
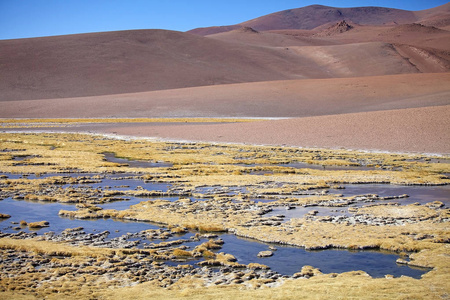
437	16
248	35
314	16
132	61
335	42
339	45
279	99
148	60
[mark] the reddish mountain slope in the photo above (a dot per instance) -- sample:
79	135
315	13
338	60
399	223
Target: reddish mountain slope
291	98
437	16
248	35
133	61
313	16
146	60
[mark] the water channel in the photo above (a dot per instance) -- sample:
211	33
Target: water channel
416	194
286	260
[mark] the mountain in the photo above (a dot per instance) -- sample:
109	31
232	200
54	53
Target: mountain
334	43
437	16
148	60
132	61
313	16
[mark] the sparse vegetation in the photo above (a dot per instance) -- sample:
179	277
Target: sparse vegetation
224	177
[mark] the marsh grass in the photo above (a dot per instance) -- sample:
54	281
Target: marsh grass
38	225
53	249
181	253
197	165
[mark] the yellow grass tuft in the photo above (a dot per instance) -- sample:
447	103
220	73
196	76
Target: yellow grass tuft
38	225
181	253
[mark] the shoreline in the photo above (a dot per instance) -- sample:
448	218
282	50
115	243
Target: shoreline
414	130
159	139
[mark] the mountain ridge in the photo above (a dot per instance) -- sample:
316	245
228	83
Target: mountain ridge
133	61
310	17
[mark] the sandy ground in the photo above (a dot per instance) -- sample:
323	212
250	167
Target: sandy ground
290	98
402	113
417	130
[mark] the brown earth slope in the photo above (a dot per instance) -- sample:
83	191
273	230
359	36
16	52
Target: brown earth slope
366	83
132	61
422	130
292	98
248	35
313	16
147	60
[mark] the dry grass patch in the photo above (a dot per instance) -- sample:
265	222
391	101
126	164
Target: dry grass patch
412	212
228	208
52	249
38	225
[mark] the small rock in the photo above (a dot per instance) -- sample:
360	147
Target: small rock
267	253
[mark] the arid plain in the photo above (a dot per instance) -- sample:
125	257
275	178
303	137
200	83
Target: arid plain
354	87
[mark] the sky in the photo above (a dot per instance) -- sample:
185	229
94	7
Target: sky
35	18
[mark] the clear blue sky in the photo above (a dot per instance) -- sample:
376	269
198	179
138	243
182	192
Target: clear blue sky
33	18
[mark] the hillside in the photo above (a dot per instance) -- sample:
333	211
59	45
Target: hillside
148	60
313	16
282	98
130	61
334	43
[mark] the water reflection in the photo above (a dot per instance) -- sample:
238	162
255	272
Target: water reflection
36	212
417	194
111	157
420	194
286	261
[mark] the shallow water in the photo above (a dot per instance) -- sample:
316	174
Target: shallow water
127	184
111	157
420	194
417	194
37	211
286	260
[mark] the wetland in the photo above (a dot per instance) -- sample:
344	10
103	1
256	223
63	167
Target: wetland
179	216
